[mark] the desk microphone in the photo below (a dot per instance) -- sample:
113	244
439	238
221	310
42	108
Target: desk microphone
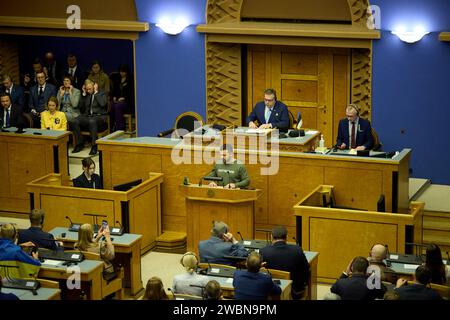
70	220
388	262
229	181
121	230
173	293
240	235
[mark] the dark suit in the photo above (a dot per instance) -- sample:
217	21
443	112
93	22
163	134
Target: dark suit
363	134
15	116
214	250
279	117
55	72
253	286
287	257
82	182
93	114
417	292
39	103
17	95
355	288
37	236
78	77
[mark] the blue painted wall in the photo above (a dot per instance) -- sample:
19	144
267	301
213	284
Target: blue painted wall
171	69
410	81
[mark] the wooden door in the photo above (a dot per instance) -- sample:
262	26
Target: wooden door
312	81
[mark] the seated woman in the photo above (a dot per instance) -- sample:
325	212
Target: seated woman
122	95
440	273
155	290
101	244
182	282
98	76
52	118
88	179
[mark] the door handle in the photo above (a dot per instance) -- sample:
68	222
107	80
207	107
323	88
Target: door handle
324	107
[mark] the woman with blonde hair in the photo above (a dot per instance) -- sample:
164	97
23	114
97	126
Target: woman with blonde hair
52	118
155	290
182	283
87	242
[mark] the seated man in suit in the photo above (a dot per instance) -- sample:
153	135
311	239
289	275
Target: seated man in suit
94	113
39	95
287	257
269	113
219	245
88	179
12	255
419	290
354	132
14	90
74	71
378	254
352	285
252	284
35	234
10	114
234	174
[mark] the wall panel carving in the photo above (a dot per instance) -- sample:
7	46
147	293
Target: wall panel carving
361	86
218	11
9	60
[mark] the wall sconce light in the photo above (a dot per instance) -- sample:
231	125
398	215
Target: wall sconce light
410	36
172	27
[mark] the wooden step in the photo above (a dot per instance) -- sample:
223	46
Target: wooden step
171	242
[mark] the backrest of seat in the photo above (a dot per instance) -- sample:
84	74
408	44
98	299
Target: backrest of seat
376	141
278	274
187	120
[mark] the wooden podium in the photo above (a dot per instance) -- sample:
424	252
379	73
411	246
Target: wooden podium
235	207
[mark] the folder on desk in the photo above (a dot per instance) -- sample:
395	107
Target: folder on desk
60	255
406	258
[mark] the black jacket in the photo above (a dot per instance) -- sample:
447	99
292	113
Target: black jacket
82	182
38	237
417	292
288	257
355	288
15	116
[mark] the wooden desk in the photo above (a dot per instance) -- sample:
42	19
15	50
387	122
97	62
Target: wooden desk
341	234
42	294
25	157
127	248
359	181
204	205
90	276
138	209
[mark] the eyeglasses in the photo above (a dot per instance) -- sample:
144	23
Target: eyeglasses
269	100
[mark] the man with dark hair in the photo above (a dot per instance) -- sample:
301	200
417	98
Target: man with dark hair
234	174
419	290
39	95
212	291
15	91
54	69
35	234
74	71
252	284
269	113
353	285
10	114
282	256
221	244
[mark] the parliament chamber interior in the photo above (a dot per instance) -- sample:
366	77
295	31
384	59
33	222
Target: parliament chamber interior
225	150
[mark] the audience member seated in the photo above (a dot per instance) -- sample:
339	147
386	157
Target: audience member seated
122	93
98	76
219	245
212	291
6	296
52	118
10	114
440	273
155	290
391	295
30	79
54	69
39	95
378	254
15	91
419	290
331	296
74	71
12	255
252	284
35	234
352	285
182	282
354	132
282	256
93	107
88	179
101	244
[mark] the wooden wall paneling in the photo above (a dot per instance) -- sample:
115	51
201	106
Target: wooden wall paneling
341	92
4	170
145	218
361	89
9	60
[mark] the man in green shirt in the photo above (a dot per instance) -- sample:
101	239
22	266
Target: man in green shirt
234	174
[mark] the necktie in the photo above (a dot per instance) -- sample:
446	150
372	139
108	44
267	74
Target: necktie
7	90
353	141
7	118
71	72
90	104
41	89
267	115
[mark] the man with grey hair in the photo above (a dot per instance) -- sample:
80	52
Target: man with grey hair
354	132
287	257
221	244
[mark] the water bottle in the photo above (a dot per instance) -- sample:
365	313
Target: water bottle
321	142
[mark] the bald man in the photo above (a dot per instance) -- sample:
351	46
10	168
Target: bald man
378	254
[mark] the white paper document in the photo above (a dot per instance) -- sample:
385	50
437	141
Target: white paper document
393	256
229	280
311	132
51	262
411	266
215	270
247	243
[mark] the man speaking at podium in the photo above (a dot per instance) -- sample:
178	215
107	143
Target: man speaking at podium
234	175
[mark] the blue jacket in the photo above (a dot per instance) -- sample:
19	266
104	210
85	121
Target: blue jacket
17	95
22	264
363	134
214	250
253	286
279	117
38	237
34	103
